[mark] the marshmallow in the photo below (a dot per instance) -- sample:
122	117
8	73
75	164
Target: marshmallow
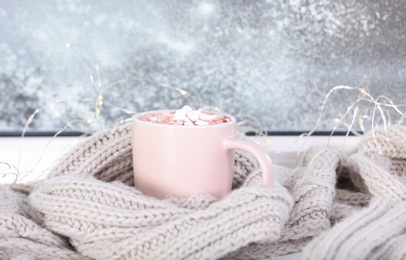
194	115
201	122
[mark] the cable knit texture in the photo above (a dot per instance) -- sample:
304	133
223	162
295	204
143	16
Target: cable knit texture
331	206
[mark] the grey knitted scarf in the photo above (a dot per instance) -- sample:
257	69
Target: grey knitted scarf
331	206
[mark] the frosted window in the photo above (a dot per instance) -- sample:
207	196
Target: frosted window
274	60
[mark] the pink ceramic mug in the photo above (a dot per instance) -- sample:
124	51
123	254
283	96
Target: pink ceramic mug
180	161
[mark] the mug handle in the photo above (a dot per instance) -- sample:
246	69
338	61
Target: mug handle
260	155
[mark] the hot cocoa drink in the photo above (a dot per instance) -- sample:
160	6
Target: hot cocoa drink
186	116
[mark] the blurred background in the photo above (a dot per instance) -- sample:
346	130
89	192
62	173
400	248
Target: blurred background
86	65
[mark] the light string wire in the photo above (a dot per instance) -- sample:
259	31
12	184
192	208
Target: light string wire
364	98
10	170
99	102
246	123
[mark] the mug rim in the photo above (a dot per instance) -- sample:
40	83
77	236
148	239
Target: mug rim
137	116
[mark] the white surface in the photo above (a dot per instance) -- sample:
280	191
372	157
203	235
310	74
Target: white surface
34	156
284	150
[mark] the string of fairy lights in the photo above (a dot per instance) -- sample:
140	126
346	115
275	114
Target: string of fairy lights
365	111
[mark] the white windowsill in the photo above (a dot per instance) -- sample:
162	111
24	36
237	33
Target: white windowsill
33	156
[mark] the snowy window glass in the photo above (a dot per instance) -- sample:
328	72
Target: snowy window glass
86	65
